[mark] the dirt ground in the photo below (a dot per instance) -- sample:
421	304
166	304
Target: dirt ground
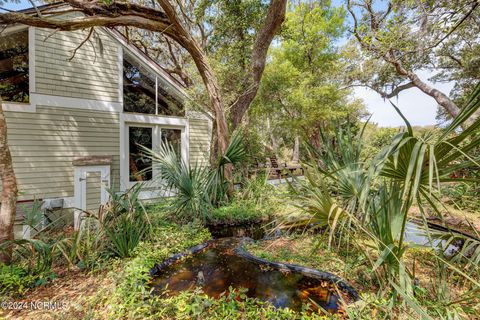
64	298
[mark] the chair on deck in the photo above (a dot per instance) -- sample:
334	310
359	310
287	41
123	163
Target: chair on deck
275	168
279	169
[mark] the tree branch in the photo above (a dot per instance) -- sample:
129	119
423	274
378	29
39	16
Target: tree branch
273	22
81	44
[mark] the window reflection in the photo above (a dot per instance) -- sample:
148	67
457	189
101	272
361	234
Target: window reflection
140	166
174	138
14	78
140	89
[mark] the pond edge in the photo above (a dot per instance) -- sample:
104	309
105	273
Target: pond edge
242	252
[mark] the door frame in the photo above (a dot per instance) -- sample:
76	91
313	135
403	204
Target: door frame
80	188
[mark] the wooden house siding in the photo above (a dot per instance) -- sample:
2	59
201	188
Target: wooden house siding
91	74
43	145
199	132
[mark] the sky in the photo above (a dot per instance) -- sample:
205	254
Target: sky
417	107
12	5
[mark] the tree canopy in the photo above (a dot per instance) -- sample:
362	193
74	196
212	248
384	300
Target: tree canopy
302	87
394	40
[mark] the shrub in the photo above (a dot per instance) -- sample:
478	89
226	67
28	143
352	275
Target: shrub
131	296
15	280
237	212
195	189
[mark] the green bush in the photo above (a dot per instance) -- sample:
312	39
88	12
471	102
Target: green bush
15	279
237	212
131	296
233	305
463	195
196	189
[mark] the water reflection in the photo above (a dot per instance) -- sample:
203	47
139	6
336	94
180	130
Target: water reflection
435	237
219	267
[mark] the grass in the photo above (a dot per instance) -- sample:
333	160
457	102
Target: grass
121	288
237	213
308	250
435	287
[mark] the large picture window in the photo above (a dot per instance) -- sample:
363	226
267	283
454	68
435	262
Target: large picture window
141	168
14	79
143	92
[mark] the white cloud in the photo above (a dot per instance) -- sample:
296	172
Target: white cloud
419	108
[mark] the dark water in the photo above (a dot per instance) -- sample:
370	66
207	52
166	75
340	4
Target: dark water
218	267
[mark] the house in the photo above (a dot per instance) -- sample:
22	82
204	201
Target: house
76	115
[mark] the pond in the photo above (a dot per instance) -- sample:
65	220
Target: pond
223	263
435	237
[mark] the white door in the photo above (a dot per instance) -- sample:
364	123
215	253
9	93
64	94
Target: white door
91	184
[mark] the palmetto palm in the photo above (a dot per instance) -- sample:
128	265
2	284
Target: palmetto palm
195	188
376	198
421	164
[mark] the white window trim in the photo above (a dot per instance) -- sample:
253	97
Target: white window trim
37	99
75	103
153	121
31	106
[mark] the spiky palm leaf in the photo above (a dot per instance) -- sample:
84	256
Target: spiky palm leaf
421	164
195	189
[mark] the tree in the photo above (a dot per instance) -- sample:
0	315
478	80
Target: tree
398	39
301	91
9	190
170	21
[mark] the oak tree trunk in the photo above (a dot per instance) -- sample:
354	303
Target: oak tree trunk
186	40
9	190
273	21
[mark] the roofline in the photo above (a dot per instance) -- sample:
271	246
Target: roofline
122	40
117	35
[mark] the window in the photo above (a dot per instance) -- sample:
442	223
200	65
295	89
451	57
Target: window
174	138
140	167
143	93
14	81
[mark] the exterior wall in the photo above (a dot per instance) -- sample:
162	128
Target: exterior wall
44	143
93	200
91	74
200	133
